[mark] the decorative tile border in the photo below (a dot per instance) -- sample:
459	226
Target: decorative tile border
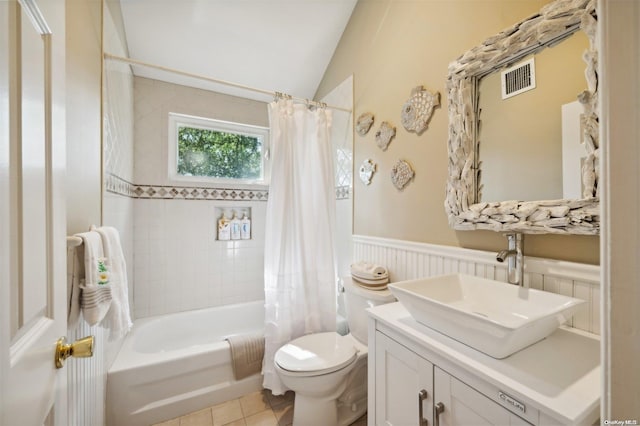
117	185
197	193
343	192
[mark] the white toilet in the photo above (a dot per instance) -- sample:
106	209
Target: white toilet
327	371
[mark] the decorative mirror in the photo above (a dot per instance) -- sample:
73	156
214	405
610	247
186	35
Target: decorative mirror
576	213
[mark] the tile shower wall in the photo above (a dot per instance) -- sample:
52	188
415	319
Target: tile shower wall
180	265
118	127
342	140
117	209
118	212
177	262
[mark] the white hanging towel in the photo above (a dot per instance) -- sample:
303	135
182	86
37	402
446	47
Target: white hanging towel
90	281
75	274
118	319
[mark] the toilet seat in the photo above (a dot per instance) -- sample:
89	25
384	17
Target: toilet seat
316	354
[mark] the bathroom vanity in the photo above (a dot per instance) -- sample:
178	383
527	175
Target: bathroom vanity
418	376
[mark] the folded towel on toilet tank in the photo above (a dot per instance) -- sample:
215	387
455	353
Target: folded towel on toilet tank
369	271
376	282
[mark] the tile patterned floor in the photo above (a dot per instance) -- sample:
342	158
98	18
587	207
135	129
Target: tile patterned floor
256	409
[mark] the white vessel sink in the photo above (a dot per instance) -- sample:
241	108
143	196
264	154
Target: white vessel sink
493	317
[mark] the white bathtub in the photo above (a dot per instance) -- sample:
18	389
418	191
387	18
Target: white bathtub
175	364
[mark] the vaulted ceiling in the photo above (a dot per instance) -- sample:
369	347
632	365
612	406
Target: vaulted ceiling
275	45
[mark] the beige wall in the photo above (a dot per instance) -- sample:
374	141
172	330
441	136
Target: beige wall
390	47
84	51
155	99
527	128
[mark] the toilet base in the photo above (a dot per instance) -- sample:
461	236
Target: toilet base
314	411
352	404
346	409
347	414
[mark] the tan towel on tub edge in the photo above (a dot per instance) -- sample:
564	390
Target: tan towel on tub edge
247	351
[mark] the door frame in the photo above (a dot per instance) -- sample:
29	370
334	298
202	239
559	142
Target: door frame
619	79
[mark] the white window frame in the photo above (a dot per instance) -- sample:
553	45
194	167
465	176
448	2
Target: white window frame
177	120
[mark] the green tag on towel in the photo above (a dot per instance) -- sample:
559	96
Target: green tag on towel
103	272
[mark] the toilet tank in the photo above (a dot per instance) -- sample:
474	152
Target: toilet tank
357	299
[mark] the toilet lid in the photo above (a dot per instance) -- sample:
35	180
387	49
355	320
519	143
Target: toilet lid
318	353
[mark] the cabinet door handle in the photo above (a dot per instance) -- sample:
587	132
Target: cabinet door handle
437	410
422	395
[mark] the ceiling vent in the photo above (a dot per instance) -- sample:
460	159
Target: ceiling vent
518	79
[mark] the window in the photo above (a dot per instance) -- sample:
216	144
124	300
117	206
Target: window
204	149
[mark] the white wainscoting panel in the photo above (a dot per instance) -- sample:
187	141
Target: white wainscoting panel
86	377
407	260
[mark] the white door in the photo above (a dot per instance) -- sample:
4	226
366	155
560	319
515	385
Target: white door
32	216
404	385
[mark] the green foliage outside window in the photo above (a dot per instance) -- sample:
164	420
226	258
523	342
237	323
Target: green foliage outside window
212	153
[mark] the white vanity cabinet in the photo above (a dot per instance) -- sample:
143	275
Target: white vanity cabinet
403	385
408	387
413	370
463	405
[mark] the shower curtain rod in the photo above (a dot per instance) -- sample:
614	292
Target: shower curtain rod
226	83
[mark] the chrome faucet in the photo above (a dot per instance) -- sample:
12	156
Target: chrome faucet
515	259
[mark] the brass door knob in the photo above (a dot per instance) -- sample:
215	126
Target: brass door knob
81	348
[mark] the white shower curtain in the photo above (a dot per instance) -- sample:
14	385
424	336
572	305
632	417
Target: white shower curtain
299	265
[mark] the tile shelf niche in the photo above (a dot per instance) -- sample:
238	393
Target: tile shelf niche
233	230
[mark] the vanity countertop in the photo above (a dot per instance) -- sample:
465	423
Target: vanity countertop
559	375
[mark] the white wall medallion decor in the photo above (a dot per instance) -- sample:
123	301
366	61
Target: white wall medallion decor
385	133
401	174
367	169
417	111
364	123
555	21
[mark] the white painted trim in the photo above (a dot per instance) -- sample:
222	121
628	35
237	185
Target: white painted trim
31	9
620	131
426	248
558	268
176	120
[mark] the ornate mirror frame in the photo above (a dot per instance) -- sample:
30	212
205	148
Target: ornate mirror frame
553	23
